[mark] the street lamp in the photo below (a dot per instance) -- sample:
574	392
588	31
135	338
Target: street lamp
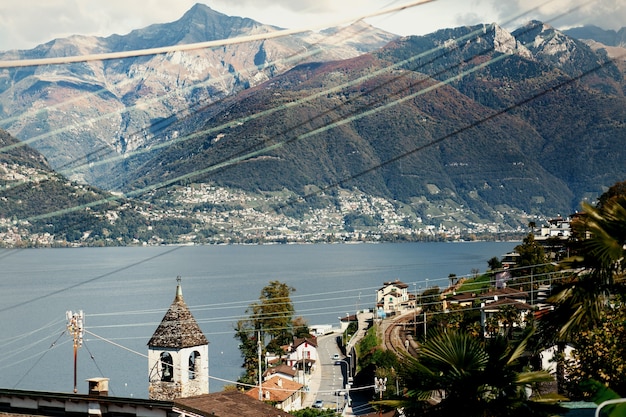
347	368
347	384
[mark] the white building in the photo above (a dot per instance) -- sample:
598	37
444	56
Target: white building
558	227
392	297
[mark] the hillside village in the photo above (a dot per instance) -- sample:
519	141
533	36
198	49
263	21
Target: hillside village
221	215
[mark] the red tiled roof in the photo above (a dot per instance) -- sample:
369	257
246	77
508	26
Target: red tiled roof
282	369
310	340
496	305
279	389
228	404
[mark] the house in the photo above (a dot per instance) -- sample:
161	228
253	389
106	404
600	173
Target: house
493	295
393	297
94	404
510	259
302	354
299	358
461	300
501	277
321	329
284	394
281	371
494	302
558	227
344	322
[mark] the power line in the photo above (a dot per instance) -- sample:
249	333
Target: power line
198	45
432	312
67	170
31	301
337	123
44	296
38	360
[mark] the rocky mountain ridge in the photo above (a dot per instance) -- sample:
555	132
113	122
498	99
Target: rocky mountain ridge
597	34
83	112
468	125
464	132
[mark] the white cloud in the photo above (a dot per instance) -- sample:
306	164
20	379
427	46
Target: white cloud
607	14
25	24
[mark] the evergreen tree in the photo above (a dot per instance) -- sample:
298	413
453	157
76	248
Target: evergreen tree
273	313
270	322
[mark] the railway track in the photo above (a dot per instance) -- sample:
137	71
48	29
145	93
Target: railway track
396	338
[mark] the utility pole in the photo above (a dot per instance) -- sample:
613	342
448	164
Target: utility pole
380	386
424	325
75	327
424	310
260	377
415	312
532	302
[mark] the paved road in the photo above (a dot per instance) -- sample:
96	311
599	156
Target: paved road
333	371
330	375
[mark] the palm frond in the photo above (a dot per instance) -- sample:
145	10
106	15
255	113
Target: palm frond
519	350
534	377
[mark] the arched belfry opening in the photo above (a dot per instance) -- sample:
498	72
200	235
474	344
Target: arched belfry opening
167	367
178	354
194	364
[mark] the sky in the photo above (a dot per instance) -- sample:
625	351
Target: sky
26	24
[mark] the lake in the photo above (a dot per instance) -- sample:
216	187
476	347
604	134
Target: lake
124	293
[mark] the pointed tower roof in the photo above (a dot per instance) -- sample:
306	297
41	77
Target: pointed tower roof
179	328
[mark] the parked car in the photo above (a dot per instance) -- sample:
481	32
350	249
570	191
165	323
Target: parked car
318	404
336	356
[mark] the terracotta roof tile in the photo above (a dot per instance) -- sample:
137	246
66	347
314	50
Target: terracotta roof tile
228	404
282	369
279	389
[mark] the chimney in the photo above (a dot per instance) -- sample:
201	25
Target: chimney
99	386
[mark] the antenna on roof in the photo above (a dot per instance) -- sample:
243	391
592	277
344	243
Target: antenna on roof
75	327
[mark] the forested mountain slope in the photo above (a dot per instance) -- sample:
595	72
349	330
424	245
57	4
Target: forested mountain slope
470	122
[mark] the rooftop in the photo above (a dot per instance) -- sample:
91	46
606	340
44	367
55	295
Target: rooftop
227	404
179	328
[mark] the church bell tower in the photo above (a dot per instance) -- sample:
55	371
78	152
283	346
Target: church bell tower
178	354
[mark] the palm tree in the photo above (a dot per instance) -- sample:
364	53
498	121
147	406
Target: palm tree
598	275
599	267
456	374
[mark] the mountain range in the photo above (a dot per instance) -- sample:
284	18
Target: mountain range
79	113
462	127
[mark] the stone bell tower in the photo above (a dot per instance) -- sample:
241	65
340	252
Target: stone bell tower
178	354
